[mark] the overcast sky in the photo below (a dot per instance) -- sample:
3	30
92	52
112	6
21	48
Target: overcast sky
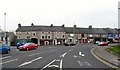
98	13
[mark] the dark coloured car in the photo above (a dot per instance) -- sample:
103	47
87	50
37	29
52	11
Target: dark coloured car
4	48
19	44
28	46
69	44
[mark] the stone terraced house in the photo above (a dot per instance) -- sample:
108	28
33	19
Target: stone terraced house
58	35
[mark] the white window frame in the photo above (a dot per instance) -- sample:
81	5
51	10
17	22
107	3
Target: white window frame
42	36
33	33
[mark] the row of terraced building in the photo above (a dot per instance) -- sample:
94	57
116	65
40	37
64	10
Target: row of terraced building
54	35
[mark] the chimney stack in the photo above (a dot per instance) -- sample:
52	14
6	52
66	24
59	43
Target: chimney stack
63	25
51	25
32	24
90	27
74	26
19	25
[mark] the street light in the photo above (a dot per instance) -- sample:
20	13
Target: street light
5	26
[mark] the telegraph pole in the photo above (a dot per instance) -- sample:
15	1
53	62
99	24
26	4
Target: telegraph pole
5	26
74	33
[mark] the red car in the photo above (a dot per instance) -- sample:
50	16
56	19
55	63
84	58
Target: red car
102	43
28	46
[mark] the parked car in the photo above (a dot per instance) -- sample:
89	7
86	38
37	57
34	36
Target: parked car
115	41
102	43
19	44
28	46
4	48
69	44
96	42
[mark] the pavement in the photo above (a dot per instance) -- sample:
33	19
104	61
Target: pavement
107	57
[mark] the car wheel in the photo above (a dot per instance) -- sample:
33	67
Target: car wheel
20	49
27	49
34	48
8	51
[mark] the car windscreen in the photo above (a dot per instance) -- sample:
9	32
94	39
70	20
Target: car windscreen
3	45
27	44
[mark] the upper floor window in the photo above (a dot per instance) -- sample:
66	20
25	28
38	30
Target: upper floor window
63	36
48	37
34	34
43	37
49	32
18	33
82	35
42	32
27	33
57	36
28	37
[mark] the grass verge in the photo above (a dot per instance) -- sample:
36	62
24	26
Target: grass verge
114	49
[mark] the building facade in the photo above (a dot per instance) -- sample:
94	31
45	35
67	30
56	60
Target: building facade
9	38
58	35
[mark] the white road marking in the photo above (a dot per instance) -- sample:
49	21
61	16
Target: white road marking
54	66
9	61
61	64
80	63
57	60
88	64
75	56
70	50
63	55
80	53
48	64
5	57
25	63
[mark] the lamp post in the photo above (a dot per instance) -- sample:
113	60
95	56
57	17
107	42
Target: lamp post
5	27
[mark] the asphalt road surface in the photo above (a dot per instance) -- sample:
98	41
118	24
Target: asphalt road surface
54	57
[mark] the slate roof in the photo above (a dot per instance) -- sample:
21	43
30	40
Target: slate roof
85	30
108	30
67	29
2	34
40	28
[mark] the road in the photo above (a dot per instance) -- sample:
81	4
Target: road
53	57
